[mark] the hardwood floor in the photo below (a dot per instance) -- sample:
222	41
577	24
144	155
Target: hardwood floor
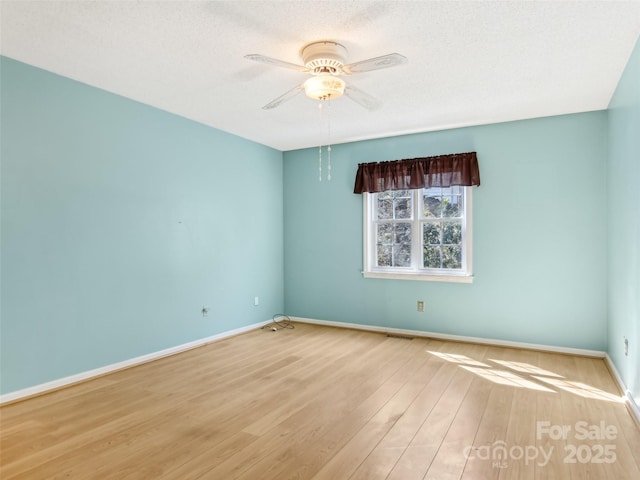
324	403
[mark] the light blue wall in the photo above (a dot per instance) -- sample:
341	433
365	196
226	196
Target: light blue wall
539	236
119	223
624	224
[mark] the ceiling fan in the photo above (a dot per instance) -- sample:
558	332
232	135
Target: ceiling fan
325	61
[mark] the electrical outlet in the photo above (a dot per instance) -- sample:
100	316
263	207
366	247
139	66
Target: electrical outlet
626	346
420	306
256	301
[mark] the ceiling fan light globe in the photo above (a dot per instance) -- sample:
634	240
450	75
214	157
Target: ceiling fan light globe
322	87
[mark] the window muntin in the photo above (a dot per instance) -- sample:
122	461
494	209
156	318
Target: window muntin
419	233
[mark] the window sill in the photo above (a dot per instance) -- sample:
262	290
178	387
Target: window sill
420	277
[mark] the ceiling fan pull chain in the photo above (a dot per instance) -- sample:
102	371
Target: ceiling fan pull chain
329	138
320	110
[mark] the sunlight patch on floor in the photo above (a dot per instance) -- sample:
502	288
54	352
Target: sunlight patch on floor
504	377
579	388
525	368
455	358
525	375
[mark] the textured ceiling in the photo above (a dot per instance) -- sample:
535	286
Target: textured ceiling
469	63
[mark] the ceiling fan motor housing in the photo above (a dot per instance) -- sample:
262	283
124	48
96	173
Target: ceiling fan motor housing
324	57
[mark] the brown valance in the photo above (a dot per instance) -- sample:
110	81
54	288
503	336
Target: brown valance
440	171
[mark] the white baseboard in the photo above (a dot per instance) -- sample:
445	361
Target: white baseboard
633	406
97	372
456	338
615	373
631	403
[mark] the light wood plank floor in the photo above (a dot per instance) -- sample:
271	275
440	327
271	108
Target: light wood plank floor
325	403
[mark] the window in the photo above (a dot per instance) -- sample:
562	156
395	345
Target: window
421	234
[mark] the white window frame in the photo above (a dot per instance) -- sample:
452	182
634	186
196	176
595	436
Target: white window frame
464	275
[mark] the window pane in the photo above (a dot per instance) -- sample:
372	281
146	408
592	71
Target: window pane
446	191
432	206
431	256
452	206
385	208
452	233
402	208
403	233
384	255
452	256
431	234
385	233
402	255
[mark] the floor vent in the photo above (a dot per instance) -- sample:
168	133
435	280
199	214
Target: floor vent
400	336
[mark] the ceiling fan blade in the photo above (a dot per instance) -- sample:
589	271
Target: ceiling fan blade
376	63
275	62
362	98
284	97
